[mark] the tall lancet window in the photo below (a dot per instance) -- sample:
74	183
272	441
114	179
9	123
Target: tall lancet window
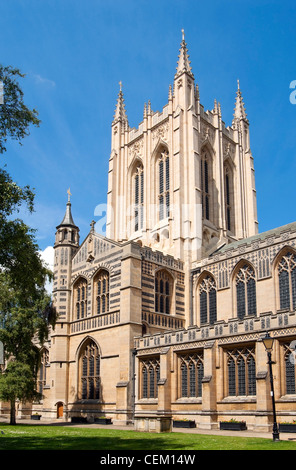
287	281
227	199
164	185
246	292
205	185
208	301
139	198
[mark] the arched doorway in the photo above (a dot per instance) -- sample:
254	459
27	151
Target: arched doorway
60	409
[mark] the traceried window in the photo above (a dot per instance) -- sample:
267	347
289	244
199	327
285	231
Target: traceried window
150	370
245	292
241	367
205	184
287	281
138	181
44	363
208	301
163	292
89	363
80	298
192	372
164	185
101	289
228	199
290	376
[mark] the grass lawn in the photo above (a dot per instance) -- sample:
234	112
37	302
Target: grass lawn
39	437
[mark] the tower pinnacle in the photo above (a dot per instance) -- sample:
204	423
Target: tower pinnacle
183	61
120	112
239	110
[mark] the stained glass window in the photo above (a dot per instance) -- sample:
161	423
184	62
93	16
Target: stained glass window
80	298
101	281
241	372
205	185
287	281
163	291
90	371
246	292
208	301
164	186
192	372
139	198
150	377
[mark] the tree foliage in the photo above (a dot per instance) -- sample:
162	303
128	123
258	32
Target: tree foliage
26	311
15	116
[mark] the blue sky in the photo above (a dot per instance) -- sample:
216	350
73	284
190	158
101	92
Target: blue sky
74	53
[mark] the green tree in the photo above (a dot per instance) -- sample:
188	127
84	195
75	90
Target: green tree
25	323
26	311
16	383
15	116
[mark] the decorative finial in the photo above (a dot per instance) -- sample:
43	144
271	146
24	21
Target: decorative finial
92	224
69	194
238	84
183	64
120	85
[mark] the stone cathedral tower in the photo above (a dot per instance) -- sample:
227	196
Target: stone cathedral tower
163	318
182	182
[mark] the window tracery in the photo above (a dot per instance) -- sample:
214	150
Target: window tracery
208	301
246	292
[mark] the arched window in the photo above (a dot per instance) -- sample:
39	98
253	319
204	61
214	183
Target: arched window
80	298
287	281
89	371
245	292
192	372
164	185
290	376
44	363
205	185
150	377
241	372
138	182
208	301
101	290
163	292
228	186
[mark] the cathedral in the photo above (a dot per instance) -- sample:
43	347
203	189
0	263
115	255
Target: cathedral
162	319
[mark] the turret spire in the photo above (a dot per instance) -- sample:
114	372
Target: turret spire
239	110
68	219
184	62
120	112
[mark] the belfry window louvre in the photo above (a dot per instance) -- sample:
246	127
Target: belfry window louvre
287	281
138	198
90	372
101	283
208	301
164	186
246	292
191	374
241	368
150	377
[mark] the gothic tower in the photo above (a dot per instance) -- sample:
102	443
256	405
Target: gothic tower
66	245
182	183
